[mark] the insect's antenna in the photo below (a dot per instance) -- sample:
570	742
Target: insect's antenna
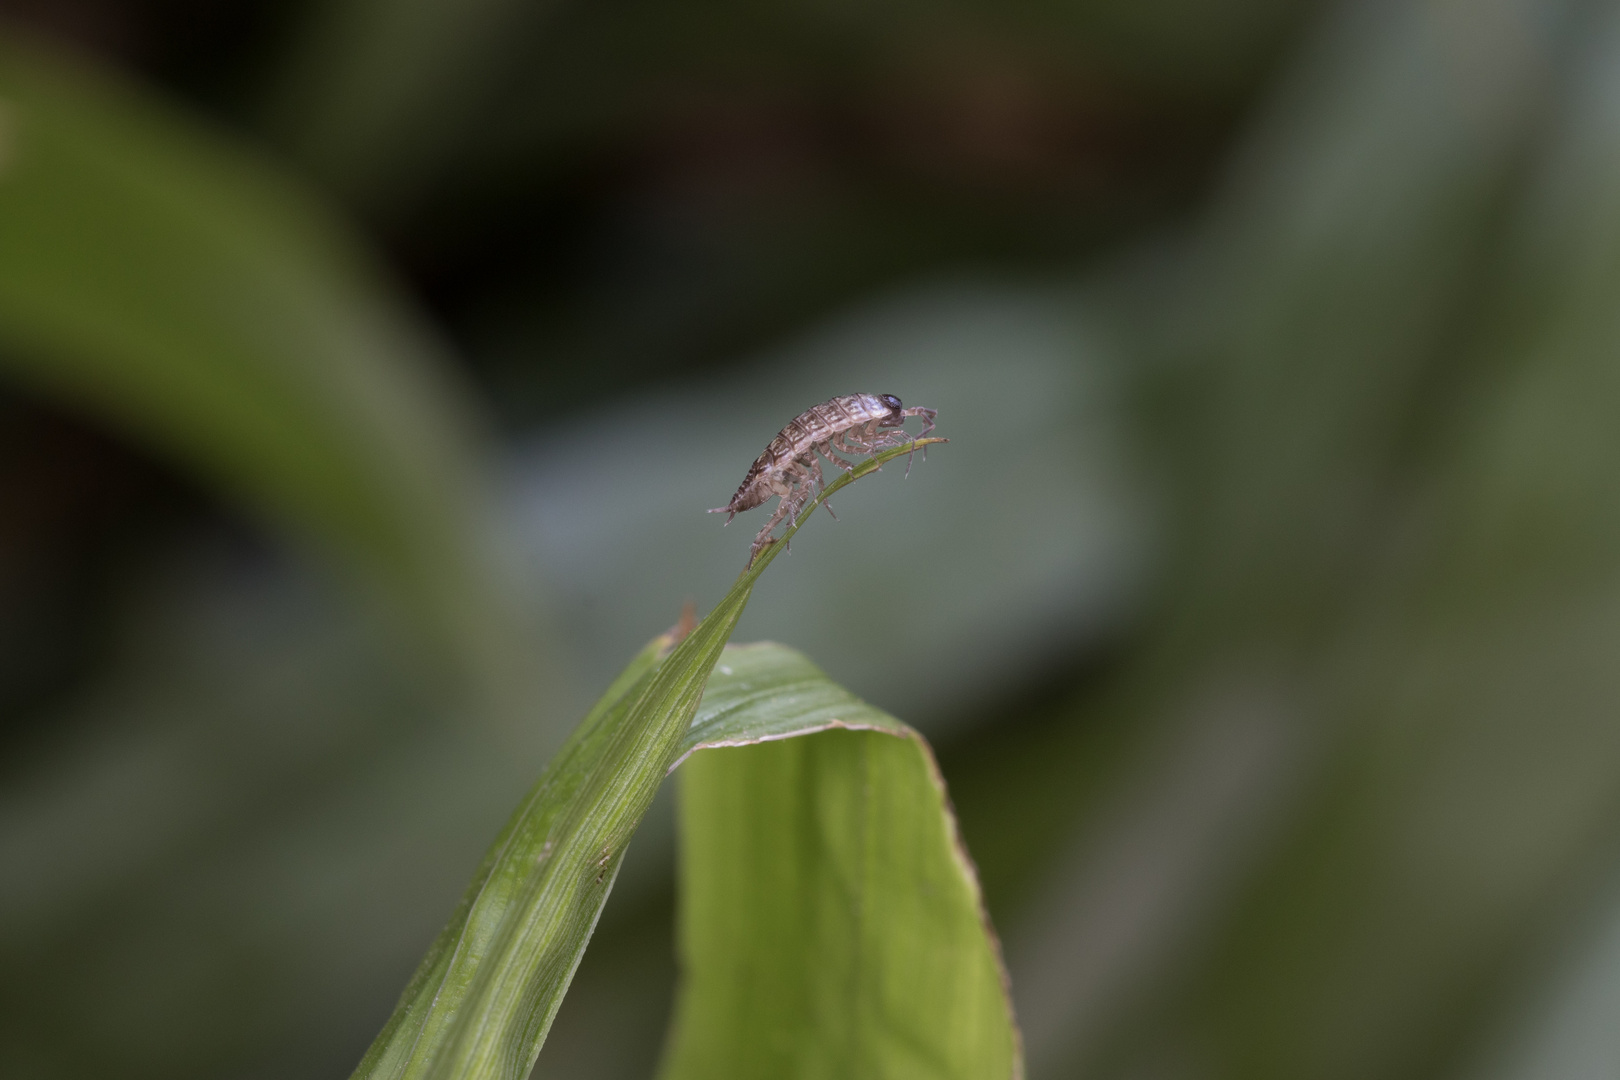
928	425
928	416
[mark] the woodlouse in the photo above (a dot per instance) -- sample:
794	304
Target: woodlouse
791	468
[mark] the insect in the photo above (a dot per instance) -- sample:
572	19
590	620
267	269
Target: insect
791	468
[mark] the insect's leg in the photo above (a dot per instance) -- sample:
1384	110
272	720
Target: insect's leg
763	539
850	443
821	480
801	497
784	483
820	487
827	504
897	437
893	437
927	419
867	439
888	440
805	475
837	443
788	508
796	478
928	425
793	484
814	464
812	469
761	542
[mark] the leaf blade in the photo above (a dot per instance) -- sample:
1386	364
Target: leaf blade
831	923
482	1001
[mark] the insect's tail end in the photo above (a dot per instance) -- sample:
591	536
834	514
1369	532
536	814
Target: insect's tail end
726	510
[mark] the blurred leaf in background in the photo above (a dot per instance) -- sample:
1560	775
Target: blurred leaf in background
592	195
181	288
1390	631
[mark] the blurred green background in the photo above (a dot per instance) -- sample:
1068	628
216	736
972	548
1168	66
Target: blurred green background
365	368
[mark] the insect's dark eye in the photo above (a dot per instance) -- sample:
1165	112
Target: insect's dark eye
891	401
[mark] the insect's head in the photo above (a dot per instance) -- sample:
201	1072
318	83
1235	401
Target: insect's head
894	418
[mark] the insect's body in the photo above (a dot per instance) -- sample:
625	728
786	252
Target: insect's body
790	467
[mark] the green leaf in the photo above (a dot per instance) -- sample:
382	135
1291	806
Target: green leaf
483	999
178	286
765	692
830	919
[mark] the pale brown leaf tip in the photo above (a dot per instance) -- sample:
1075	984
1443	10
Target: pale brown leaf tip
686	624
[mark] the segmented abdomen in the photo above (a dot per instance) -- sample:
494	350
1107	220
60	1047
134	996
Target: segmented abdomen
815	426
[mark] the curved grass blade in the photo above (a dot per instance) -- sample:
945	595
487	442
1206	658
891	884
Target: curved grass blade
483	999
830	920
764	692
